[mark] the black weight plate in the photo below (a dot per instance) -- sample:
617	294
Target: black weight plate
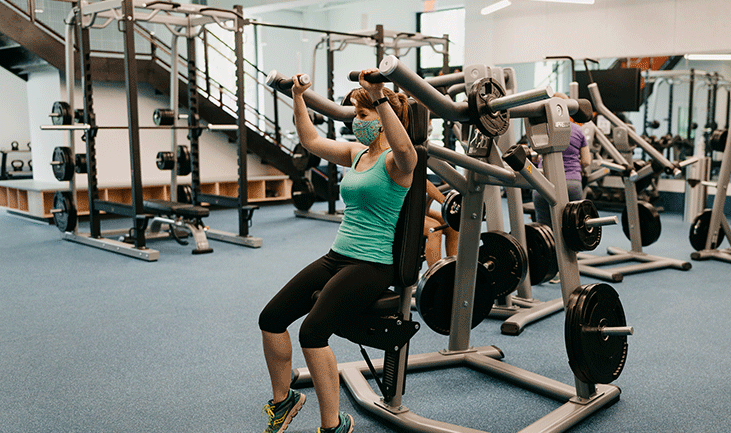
650	226
62	113
81	163
542	258
64	215
63	167
505	261
719	137
164	160
303	194
594	358
300	157
452	209
163	117
572	329
578	236
479	96
548	233
184	162
185	194
699	231
435	290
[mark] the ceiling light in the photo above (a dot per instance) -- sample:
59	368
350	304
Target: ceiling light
495	7
583	2
716	57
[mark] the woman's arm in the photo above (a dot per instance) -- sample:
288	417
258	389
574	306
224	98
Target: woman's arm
404	154
340	153
585	156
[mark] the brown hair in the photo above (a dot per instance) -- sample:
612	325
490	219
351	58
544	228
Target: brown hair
398	101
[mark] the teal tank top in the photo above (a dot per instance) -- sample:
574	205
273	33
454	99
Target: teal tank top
373	202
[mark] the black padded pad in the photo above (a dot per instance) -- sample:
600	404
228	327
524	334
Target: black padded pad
409	236
166	207
387	305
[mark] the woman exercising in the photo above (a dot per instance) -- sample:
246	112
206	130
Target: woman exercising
359	265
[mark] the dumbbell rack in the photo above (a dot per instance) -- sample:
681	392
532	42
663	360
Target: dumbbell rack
589	264
579	401
718	220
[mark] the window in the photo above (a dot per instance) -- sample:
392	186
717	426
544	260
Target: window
438	23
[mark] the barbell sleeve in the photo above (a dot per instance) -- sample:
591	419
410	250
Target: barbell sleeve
602	221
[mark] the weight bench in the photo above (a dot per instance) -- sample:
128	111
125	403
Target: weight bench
179	216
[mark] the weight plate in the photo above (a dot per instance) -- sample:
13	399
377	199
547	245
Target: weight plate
81	163
64	213
595	358
61	113
505	260
184	162
719	137
699	231
542	258
300	157
650	226
548	234
303	194
579	236
163	117
452	209
479	96
435	290
164	160
185	194
63	163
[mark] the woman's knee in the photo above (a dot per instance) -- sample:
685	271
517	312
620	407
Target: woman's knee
314	335
268	321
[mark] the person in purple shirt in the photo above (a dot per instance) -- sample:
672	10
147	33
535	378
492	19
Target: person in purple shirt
575	158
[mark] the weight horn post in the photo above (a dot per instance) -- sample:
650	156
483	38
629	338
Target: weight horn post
603	221
617	331
518	99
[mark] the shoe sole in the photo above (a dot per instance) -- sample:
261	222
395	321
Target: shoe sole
295	410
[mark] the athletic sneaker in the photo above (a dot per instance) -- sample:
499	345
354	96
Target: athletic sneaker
281	414
345	426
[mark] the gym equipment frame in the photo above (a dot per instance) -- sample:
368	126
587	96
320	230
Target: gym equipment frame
588	264
718	224
544	119
334	41
175	17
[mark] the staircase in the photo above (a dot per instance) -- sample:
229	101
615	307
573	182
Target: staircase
27	43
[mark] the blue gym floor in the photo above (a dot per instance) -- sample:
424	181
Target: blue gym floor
93	341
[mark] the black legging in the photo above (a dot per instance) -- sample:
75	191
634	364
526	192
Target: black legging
348	286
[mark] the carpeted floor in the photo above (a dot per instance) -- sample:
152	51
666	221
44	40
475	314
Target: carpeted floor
93	341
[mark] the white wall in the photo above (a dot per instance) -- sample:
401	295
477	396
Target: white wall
528	31
14	125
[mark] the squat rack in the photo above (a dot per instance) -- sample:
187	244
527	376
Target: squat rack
181	20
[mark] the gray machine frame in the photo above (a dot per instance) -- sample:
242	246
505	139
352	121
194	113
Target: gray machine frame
620	152
549	136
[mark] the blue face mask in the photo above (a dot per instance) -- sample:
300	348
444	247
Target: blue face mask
366	130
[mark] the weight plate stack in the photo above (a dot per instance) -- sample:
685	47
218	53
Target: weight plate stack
64	213
595	358
435	290
184	161
650	226
452	209
699	231
542	259
163	117
505	260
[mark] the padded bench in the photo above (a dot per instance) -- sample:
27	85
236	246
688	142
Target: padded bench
166	207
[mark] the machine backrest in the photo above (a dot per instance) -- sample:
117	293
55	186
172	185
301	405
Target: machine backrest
408	241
